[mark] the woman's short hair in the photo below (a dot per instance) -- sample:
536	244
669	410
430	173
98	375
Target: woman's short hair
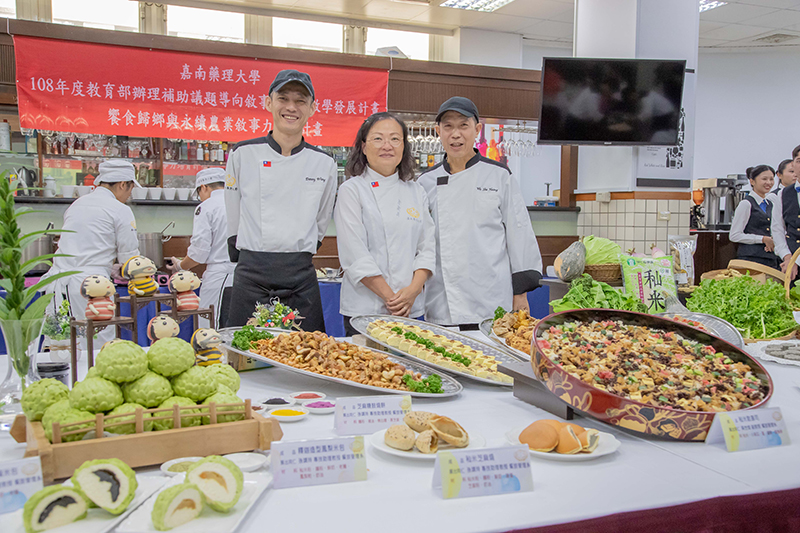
357	160
753	172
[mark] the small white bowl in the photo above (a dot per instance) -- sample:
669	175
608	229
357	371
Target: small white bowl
320	396
165	466
183	194
139	193
320	410
289	418
247	461
289	402
168	193
154	193
68	191
83	190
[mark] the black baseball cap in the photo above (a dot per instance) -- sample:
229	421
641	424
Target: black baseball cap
288	76
459	104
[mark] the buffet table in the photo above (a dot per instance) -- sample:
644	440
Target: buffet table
621	492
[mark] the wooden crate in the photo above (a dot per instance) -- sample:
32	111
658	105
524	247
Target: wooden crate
146	448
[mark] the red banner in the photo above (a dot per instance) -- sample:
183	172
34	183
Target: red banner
117	90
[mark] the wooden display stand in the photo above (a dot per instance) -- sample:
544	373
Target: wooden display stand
145	448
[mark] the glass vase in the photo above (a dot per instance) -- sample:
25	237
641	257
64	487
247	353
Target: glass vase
22	343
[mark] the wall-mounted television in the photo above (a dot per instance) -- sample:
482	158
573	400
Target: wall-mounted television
611	101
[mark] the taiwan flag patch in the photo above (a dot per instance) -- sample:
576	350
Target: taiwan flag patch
375	184
266	164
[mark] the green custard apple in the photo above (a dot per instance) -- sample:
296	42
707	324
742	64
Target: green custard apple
160	425
109	483
196	383
176	505
93	373
95	394
52	507
225	375
219	479
40	395
67	415
121	362
127	429
171	356
149	390
222	396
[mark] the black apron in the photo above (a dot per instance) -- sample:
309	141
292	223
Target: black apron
290	277
758	224
791	217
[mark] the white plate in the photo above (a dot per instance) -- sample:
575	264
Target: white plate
165	466
289	401
97	520
294	418
608	444
248	461
320	410
295	395
376	439
209	521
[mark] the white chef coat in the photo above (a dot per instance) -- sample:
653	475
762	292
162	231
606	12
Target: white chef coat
485	244
740	218
779	227
209	245
383	228
277	203
774	193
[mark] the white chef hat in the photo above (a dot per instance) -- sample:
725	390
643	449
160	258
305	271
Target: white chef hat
115	171
209	175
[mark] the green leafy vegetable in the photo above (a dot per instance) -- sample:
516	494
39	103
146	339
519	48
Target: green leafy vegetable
794	295
601	251
432	384
758	311
499	313
586	293
245	337
432	346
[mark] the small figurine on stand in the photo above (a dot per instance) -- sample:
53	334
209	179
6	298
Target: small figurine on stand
205	342
139	270
162	327
183	283
98	290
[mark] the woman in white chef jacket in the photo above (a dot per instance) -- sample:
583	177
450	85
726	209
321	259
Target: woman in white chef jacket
100	230
384	229
751	224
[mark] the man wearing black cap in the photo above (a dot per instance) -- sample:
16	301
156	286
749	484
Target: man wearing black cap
486	252
279	193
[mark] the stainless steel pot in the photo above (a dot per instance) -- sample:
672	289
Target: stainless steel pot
150	245
41	246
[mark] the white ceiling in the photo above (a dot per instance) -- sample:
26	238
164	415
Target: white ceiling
545	22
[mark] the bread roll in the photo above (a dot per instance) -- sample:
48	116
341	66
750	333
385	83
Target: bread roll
400	437
589	440
449	431
427	442
568	442
540	436
418	420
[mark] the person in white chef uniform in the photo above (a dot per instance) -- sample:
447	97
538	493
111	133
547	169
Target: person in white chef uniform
384	229
209	244
486	252
100	232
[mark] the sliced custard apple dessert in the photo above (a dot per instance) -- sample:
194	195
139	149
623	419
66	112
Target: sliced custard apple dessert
176	506
53	507
108	483
220	481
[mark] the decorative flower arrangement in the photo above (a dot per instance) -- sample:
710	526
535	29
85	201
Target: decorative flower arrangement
275	315
57	326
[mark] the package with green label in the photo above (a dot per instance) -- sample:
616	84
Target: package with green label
649	279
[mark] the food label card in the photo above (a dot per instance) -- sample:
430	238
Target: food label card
368	414
19	480
749	430
301	463
482	472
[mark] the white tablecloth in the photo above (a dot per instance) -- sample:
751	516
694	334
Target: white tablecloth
397	496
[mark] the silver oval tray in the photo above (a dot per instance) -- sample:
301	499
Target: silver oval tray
486	328
360	323
450	386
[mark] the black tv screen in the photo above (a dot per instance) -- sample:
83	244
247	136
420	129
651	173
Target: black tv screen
611	101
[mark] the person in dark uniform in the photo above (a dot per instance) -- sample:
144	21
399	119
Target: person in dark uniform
279	194
751	225
786	222
785	177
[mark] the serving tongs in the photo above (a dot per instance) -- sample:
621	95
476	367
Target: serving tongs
714	325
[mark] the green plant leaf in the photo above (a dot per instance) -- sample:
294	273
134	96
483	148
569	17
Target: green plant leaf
30	292
37	308
6	284
26	266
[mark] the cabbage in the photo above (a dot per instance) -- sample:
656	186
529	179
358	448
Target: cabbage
601	251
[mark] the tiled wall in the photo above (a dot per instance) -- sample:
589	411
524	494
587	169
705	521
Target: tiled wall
634	223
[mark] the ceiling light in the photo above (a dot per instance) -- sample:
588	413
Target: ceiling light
476	5
705	5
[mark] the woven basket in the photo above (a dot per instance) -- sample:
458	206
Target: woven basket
607	272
